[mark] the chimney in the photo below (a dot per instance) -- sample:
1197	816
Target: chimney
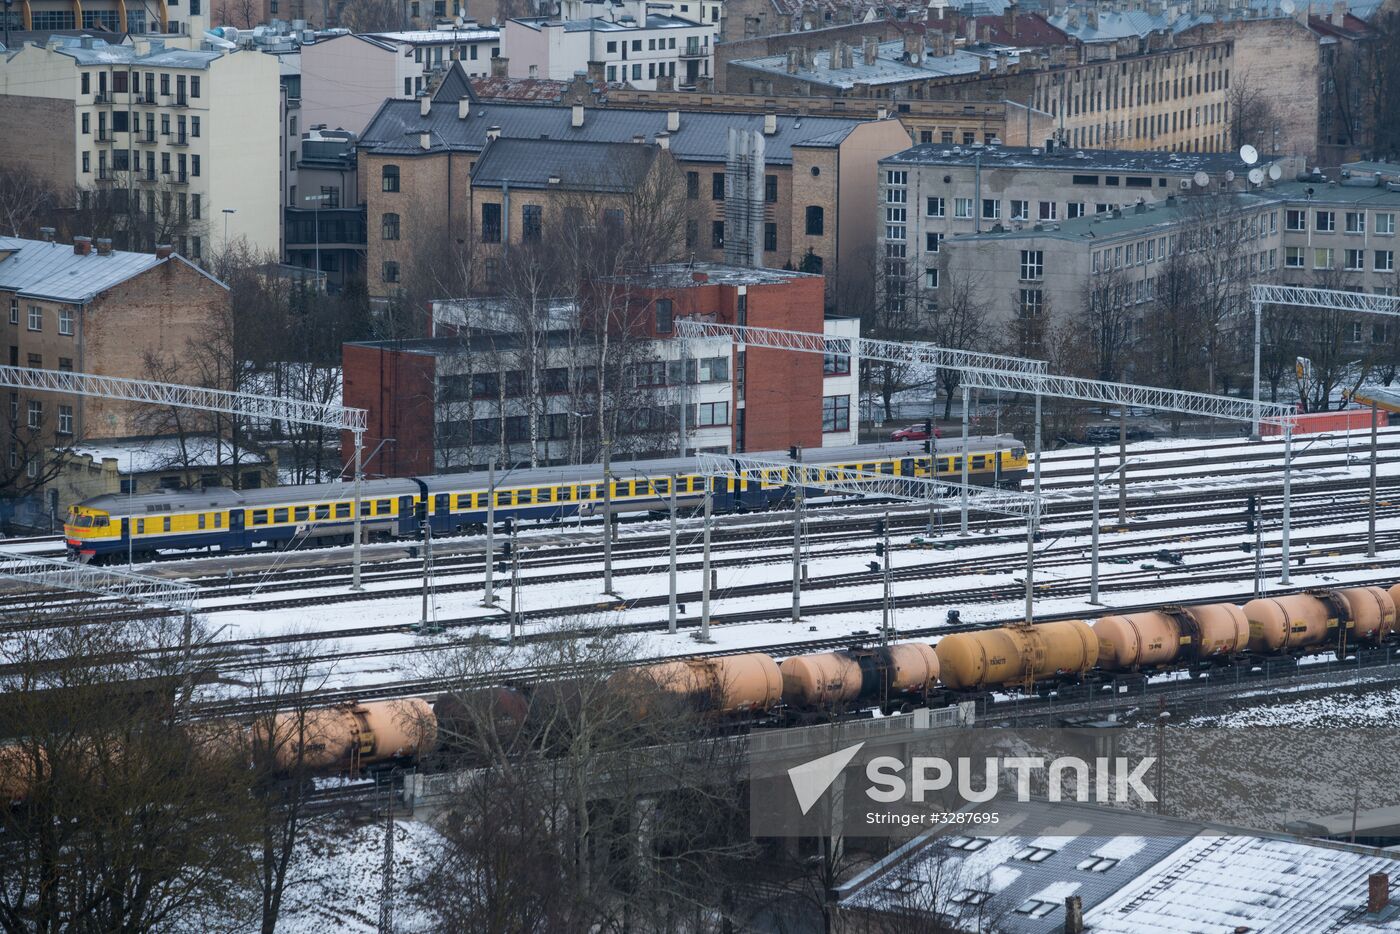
793	57
673	121
500	66
576	117
82	246
46	234
881	113
663	140
1339	13
913	44
104	246
870	49
1091	17
1377	892
1008	20
493	132
984	66
770	124
464	108
425	139
595	73
163	250
987	34
1074	915
425	105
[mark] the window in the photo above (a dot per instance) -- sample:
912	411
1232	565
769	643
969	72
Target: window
65	419
836	413
14	311
87	123
1385	224
1356	222
65	321
1074	209
1385	261
836	364
717	234
1355	260
390	271
36	413
935	208
490	223
87	161
1293	257
991	209
665	312
1295	220
709	414
532	223
165	84
1322	258
36	318
65	364
962	207
931	241
692	183
770	189
1032	303
816	220
1084	179
1020	210
931	277
87	83
389	178
770	237
1032	265
389	227
1326	221
717	186
1048	211
36	361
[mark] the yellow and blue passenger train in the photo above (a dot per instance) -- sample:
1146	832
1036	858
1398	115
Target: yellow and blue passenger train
222	519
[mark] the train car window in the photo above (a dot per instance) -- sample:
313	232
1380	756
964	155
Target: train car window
503	497
202	520
140	526
323	512
166	520
301	514
662	487
526	497
383	507
563	494
218	520
279	515
442	502
342	510
462	501
259	517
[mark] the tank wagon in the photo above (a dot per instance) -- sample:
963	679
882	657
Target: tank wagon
1304	623
885	676
1024	657
1172	636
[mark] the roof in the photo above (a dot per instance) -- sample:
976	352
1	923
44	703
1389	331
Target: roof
1352	27
889	67
52	271
146	455
1354	191
90	51
579	165
1111	26
1128	221
1030	30
702	135
1071	160
438	36
692	275
539	90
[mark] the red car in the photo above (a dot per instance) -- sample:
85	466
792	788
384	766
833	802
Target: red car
913	433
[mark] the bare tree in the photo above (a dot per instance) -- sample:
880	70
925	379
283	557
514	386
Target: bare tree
1105	325
957	318
1252	116
27	200
372	16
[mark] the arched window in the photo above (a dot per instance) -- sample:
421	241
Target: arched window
816	221
390	178
389	227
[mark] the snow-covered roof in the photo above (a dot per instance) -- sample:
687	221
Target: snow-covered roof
147	455
51	270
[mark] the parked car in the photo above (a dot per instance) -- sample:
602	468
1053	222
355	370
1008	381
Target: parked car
914	433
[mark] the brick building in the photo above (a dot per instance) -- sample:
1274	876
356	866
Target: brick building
454	401
417	161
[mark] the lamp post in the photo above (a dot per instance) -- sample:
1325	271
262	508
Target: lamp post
317	199
227	212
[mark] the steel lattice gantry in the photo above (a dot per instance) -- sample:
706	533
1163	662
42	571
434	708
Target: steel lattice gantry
239	404
930	492
123	586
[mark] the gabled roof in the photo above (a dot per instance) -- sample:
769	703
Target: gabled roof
52	271
455	85
579	165
1029	30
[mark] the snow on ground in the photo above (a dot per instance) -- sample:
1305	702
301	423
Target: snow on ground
1342	708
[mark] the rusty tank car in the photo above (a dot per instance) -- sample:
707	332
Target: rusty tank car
1319	620
830	680
724	685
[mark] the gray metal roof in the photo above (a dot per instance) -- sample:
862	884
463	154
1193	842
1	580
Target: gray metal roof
702	135
38	269
86	50
579	165
889	67
1112	26
1106	227
1071	160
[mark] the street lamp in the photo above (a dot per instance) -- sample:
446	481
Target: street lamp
324	196
227	212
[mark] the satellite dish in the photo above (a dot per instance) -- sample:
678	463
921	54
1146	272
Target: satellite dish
1229	175
1248	154
1256	175
1287	7
1201	179
1275	172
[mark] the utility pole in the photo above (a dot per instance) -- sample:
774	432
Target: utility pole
962	523
358	532
489	594
1371	513
1122	466
671	626
705	568
796	454
514	584
1094	538
886	604
426	623
386	891
607	517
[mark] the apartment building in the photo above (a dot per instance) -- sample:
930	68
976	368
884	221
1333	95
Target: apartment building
182	145
460	398
636	46
325	215
416	161
113	16
344	78
86	307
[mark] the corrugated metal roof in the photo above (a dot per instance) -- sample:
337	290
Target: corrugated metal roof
1111	26
889	67
1071	160
37	269
702	135
99	52
579	165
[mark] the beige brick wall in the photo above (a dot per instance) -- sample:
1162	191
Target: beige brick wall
51	153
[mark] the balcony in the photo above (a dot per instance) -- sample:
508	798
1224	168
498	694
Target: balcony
102	97
694	50
145	97
105	174
147	176
104	135
180	101
148	137
179	139
180	178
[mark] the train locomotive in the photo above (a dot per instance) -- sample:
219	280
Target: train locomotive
113	525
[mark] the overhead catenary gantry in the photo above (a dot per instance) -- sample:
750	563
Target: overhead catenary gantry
110	583
200	398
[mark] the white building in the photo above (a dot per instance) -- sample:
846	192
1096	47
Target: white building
636	46
345	78
187	139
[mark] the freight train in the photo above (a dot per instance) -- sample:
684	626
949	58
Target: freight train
754	689
112	526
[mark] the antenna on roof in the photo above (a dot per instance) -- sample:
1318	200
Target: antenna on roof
1201	179
1248	154
1256	176
1275	172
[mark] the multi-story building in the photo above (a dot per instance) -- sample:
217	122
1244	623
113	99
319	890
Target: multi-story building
416	162
636	46
325	215
344	78
111	16
180	145
91	309
458	400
